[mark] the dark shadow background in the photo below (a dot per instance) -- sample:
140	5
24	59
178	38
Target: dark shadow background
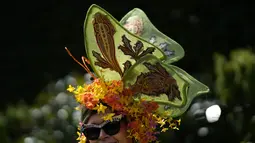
43	28
38	31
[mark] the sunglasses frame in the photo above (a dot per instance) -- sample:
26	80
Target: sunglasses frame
117	118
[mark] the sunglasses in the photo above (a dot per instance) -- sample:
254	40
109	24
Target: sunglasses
92	131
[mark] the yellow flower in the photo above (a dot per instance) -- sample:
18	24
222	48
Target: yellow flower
78	98
100	108
164	129
162	122
99	90
124	100
77	108
169	120
70	88
134	110
145	120
167	113
99	95
108	117
179	122
79	90
81	138
136	135
173	126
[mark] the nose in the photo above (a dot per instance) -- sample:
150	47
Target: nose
103	135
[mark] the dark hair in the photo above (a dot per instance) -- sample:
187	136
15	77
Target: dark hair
86	113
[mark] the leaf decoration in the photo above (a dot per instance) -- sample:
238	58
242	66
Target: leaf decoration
149	50
102	37
138	47
135	52
104	32
137	22
127	65
171	87
101	61
157	81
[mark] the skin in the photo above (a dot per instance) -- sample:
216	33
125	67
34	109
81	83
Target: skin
120	137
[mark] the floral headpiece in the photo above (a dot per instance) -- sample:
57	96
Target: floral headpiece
134	76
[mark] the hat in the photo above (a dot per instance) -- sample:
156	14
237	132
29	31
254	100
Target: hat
134	76
137	22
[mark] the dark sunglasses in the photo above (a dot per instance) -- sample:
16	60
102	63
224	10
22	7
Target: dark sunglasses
92	131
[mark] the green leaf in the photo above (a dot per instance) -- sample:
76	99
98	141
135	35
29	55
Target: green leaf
113	34
138	22
188	86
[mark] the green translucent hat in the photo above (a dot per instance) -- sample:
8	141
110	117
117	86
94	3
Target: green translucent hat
138	23
134	51
134	76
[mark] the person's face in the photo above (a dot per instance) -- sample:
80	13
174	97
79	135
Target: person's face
120	137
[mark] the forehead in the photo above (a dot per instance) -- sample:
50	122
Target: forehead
97	118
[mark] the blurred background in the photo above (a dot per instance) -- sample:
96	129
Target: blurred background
218	38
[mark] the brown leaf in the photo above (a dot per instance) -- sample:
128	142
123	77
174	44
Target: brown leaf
156	68
127	48
136	52
157	81
101	61
127	51
149	50
126	42
105	43
138	47
127	65
175	92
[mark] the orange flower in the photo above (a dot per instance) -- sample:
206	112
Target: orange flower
141	114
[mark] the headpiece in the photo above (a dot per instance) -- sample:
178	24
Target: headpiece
134	75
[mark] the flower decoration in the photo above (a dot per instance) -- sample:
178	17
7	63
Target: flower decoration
135	25
81	138
140	113
132	78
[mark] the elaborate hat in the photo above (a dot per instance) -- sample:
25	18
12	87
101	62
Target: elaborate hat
132	60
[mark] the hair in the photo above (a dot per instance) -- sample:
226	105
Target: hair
86	114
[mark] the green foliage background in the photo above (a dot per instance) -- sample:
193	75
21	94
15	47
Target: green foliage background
52	118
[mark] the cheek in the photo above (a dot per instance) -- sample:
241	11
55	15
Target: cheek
122	135
123	128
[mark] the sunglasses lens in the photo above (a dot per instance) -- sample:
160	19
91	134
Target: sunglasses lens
92	133
112	128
